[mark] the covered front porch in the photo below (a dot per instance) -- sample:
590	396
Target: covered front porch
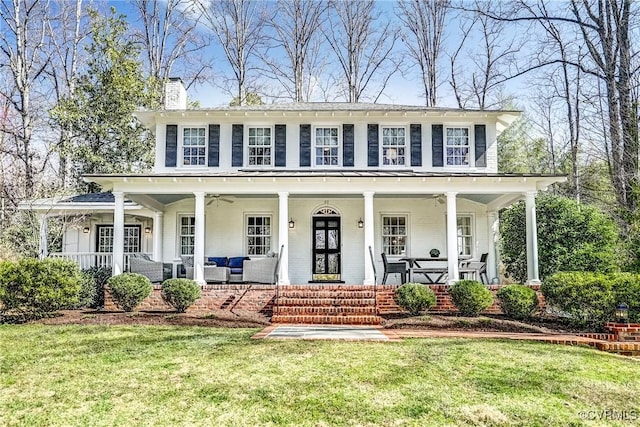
324	223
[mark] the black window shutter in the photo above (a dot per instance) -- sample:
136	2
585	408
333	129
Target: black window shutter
171	146
305	145
416	144
437	154
373	144
281	145
237	145
481	145
214	145
347	145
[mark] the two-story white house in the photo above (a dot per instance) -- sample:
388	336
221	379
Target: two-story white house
319	182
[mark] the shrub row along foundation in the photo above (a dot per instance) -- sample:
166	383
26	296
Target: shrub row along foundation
262	298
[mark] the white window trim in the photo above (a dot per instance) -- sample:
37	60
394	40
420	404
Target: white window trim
103	225
380	236
474	233
245	159
313	145
179	217
407	145
472	146
180	155
245	244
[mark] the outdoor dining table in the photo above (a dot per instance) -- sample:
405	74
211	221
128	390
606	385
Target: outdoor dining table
441	271
416	267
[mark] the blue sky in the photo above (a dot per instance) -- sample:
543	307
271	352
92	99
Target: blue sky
400	90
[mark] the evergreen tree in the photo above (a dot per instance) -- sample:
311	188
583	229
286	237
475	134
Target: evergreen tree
106	137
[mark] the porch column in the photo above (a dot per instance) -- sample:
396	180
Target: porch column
494	234
532	238
283	237
198	247
452	238
369	240
158	218
44	232
118	233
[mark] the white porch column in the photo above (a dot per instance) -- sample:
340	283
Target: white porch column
452	238
492	259
158	218
369	240
118	233
532	238
198	249
283	237
44	232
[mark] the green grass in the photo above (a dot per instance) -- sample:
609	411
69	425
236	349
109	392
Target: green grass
135	375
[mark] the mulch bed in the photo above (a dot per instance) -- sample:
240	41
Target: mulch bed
239	319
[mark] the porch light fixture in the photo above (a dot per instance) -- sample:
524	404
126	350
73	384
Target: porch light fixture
360	223
622	312
147	230
85	230
291	223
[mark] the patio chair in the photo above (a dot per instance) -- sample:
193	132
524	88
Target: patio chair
394	268
154	270
479	268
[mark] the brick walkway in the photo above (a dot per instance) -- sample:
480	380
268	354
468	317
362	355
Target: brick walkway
395	335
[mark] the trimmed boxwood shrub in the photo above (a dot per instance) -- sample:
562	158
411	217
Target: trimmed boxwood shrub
180	293
517	301
470	297
415	297
589	299
129	289
33	286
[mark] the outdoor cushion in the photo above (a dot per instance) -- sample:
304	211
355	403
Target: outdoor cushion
236	262
236	270
220	261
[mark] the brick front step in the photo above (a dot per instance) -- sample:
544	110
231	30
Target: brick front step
325	311
326	302
623	348
327	320
597	336
341	293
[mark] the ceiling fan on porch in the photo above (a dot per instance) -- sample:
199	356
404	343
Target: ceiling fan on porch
217	198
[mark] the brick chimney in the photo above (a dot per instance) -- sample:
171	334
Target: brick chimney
175	94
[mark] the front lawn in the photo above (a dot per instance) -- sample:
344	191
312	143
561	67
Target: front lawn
150	375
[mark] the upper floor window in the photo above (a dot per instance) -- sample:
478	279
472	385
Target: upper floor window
194	147
187	235
327	146
394	234
394	144
465	235
258	236
260	146
457	147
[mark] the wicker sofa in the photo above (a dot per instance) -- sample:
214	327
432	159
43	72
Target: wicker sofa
236	269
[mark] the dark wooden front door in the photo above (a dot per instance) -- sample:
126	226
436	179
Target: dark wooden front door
326	248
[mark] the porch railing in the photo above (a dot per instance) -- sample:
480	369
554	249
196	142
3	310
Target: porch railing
92	259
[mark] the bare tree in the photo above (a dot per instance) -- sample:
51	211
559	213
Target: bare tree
363	44
424	22
170	36
66	33
23	57
239	28
603	27
296	24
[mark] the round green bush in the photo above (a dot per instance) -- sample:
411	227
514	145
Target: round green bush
517	301
414	297
180	293
470	297
129	289
34	286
